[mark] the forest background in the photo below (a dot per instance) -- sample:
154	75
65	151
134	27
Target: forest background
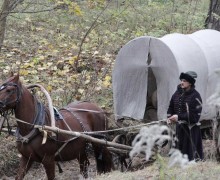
70	46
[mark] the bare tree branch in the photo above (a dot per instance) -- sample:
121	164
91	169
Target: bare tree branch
32	12
87	33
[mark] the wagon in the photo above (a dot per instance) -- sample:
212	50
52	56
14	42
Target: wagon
146	73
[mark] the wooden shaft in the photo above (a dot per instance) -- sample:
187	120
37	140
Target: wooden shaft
87	137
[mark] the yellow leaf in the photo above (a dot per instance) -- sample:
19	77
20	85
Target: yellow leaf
39	28
80	91
42	68
49	64
41	57
71	27
49	88
98	88
23	72
87	81
77	10
106	83
95	53
72	60
61	73
108	78
74	77
27	65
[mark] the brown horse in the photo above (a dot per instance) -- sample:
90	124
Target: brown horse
16	97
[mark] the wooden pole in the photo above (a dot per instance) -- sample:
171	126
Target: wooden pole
79	134
87	137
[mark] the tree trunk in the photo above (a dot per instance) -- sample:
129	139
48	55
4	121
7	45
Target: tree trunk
7	7
213	19
3	17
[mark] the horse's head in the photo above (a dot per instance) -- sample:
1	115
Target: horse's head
10	93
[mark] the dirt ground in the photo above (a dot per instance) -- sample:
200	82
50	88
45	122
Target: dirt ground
70	170
9	159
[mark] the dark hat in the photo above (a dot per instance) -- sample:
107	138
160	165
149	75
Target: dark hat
189	76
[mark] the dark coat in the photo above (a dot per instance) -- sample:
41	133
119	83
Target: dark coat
187	105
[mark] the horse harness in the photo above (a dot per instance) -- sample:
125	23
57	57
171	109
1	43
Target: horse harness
83	128
38	120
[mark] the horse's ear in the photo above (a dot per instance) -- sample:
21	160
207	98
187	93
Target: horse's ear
11	73
16	78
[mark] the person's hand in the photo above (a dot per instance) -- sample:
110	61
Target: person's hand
173	118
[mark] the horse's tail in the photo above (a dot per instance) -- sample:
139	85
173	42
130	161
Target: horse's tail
103	158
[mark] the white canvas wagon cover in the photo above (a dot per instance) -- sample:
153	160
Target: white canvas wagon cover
167	57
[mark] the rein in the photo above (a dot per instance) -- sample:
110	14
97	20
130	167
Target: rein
5	117
85	110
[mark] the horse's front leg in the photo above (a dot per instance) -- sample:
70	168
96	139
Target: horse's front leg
49	165
24	166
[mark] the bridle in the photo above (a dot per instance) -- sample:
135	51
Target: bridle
4	103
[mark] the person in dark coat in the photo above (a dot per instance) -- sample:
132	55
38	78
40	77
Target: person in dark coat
185	110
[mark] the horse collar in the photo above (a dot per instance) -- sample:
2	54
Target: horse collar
38	120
